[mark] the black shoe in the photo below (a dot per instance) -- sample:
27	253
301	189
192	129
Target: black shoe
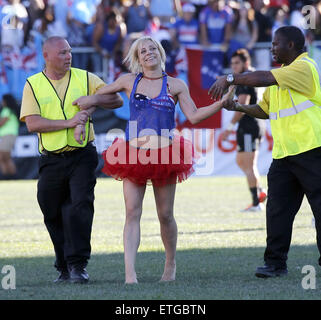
269	271
79	275
63	276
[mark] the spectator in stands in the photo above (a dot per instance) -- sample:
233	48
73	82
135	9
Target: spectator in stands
296	17
137	16
264	23
61	9
244	28
14	23
109	34
12	36
185	30
35	9
215	24
280	19
105	7
9	129
199	6
48	26
77	38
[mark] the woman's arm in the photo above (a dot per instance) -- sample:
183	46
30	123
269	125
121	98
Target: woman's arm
192	113
106	96
106	101
251	79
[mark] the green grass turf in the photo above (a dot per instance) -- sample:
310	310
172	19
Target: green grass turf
219	248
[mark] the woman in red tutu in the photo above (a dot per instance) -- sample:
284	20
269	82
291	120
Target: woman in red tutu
151	152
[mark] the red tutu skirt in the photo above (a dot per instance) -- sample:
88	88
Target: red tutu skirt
168	165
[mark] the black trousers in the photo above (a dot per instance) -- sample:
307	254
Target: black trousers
289	179
66	198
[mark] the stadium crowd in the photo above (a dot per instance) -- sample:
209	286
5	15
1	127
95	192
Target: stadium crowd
108	26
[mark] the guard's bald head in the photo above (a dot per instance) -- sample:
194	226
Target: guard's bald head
57	54
51	42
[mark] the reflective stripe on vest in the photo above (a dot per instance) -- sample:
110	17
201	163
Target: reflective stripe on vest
296	109
291	111
273	115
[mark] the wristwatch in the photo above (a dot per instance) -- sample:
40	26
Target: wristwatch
230	78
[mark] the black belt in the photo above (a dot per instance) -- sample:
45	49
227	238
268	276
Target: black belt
65	153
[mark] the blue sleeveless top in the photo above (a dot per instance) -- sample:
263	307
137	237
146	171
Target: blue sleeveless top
150	116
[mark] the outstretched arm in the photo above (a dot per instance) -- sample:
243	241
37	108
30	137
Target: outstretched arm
106	101
194	114
106	97
252	79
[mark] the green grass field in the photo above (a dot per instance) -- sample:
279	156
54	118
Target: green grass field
219	248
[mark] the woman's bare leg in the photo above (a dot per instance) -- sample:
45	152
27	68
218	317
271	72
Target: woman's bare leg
164	198
133	195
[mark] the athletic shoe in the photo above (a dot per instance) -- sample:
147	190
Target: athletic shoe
252	208
262	195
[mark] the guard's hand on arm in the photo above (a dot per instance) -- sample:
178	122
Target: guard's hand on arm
218	88
85	102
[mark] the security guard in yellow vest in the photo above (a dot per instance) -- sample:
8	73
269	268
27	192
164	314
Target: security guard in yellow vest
292	102
68	157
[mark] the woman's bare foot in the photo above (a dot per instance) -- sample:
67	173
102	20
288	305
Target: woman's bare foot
131	279
169	272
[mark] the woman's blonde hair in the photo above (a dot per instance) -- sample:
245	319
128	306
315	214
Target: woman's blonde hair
132	60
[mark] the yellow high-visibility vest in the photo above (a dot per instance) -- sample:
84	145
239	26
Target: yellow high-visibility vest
51	107
295	119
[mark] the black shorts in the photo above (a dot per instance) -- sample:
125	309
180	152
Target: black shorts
249	136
